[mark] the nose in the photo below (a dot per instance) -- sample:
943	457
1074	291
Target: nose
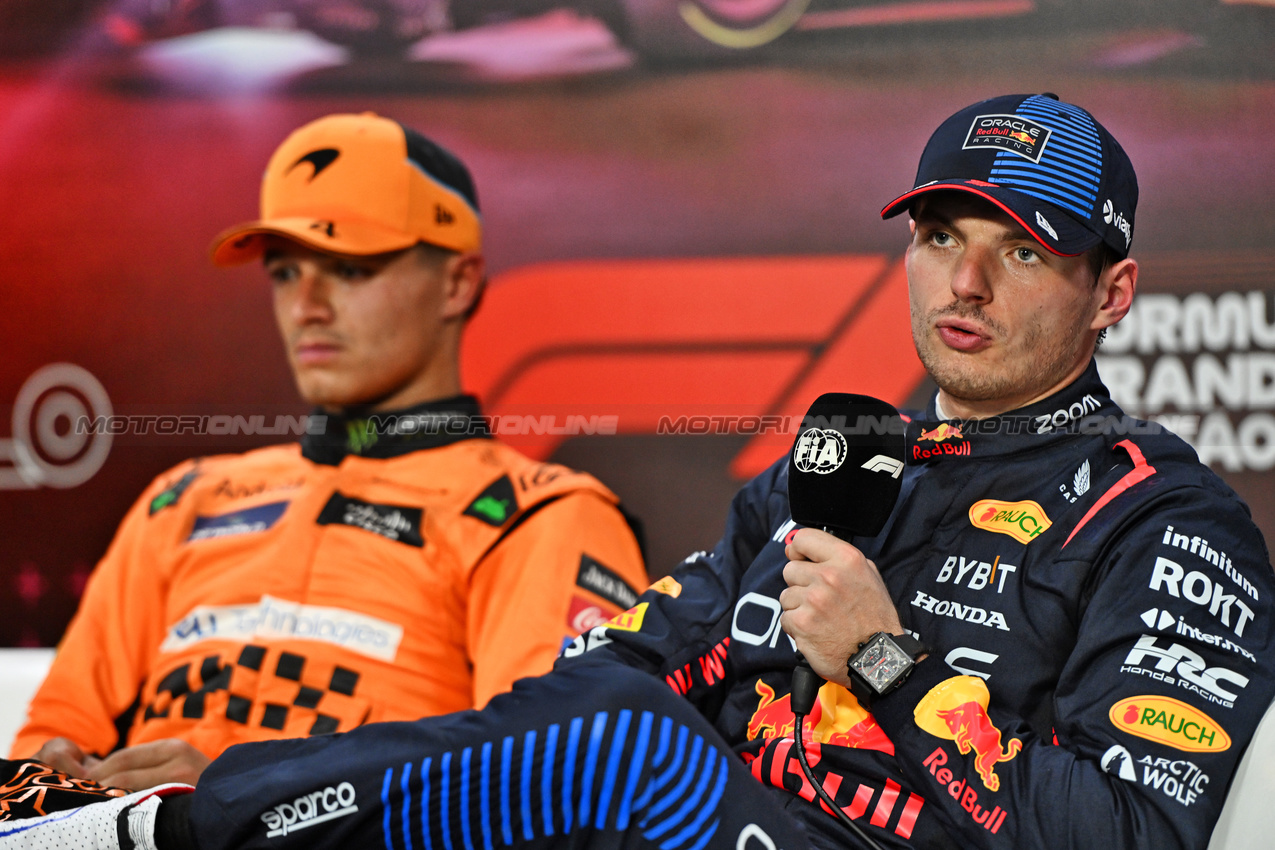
971	277
311	301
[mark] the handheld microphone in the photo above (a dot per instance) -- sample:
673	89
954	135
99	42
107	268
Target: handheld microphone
844	476
845	470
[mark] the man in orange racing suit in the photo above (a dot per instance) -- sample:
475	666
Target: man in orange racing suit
396	564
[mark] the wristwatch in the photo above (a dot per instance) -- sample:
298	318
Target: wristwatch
881	664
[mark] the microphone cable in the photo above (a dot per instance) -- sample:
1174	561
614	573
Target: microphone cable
805	690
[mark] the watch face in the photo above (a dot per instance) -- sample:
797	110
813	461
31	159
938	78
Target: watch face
881	663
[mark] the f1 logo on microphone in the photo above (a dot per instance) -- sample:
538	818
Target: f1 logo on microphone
882	463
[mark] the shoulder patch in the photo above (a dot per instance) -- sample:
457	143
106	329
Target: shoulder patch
496	504
598	579
172	495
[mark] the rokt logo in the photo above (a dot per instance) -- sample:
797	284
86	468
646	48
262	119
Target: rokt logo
819	450
311	809
1023	521
1195	586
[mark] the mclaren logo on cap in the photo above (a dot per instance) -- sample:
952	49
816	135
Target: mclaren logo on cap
1012	133
320	159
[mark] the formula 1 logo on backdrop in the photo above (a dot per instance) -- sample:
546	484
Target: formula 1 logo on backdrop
714	349
46	450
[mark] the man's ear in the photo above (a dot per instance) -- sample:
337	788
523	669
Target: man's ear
464	277
1116	287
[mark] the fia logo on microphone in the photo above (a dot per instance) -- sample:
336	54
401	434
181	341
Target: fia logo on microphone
820	451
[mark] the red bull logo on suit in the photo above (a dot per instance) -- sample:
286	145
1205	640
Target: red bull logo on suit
956	709
836	719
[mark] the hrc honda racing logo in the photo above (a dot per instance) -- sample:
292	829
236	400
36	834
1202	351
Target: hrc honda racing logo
310	810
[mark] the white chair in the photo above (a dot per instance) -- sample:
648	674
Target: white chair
21	672
1248	821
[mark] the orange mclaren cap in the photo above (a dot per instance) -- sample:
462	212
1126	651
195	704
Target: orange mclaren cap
360	185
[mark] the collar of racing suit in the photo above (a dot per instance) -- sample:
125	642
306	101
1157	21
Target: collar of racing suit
391	433
1082	407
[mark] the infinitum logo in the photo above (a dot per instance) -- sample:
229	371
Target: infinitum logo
313	808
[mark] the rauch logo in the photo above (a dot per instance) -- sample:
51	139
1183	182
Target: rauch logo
1168	721
1023	521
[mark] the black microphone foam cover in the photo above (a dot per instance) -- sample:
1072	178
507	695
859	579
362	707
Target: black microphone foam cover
846	466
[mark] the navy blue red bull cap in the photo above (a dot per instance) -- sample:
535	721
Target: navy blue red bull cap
1050	165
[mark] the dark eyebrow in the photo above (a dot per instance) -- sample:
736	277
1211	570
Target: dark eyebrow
269	255
928	215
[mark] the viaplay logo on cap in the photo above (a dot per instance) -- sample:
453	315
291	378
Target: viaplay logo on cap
1012	133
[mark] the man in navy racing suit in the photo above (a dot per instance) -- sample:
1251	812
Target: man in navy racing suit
1093	607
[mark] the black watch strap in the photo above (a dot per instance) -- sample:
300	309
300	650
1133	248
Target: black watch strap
911	645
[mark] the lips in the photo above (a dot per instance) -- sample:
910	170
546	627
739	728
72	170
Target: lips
962	335
315	353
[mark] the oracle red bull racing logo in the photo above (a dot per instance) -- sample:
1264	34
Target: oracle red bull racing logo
1013	133
956	709
836	719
